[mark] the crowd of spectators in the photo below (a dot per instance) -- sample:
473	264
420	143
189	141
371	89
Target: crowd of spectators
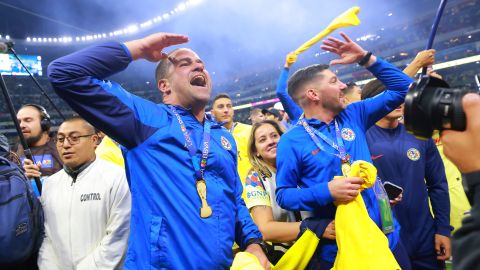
457	37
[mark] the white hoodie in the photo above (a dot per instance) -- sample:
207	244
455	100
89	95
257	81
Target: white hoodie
87	222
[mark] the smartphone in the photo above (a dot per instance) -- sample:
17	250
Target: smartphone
393	191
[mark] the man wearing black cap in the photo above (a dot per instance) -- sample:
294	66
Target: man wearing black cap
271	114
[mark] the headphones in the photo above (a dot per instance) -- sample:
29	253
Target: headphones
46	121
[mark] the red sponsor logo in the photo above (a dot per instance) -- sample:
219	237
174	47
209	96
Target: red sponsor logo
377	157
316	151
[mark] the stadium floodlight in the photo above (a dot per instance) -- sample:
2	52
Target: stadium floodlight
181	6
7	37
127	30
132	28
34	39
147	23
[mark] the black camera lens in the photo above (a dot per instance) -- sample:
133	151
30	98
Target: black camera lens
431	104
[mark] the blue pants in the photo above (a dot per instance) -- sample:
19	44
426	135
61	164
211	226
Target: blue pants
427	263
401	255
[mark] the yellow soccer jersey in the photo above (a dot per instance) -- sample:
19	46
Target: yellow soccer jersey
256	191
110	151
458	200
241	133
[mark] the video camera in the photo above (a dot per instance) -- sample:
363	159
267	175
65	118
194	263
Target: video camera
431	104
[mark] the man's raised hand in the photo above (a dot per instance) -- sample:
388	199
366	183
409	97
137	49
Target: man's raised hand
349	51
150	47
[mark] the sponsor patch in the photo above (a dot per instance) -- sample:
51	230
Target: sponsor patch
413	154
252	180
226	143
348	134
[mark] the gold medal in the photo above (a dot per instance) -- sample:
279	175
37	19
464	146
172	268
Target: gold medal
345	168
205	210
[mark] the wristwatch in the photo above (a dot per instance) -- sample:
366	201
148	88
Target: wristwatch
365	59
260	242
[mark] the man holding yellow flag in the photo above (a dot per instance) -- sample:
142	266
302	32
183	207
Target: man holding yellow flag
330	137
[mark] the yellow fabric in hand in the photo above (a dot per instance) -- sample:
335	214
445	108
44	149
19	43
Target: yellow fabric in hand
296	257
291	58
246	261
348	18
361	244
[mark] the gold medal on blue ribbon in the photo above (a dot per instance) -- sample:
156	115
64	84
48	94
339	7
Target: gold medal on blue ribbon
205	210
345	168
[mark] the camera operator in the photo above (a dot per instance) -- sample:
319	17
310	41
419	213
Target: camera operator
462	148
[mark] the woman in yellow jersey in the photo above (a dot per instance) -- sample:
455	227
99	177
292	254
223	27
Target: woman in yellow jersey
278	226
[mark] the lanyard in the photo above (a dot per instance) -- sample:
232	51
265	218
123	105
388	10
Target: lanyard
232	128
339	146
198	165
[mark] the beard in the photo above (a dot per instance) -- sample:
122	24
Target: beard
33	139
334	107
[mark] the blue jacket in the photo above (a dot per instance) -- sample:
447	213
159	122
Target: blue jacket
301	164
166	228
417	167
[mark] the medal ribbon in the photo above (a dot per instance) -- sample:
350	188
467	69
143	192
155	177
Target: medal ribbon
339	146
198	165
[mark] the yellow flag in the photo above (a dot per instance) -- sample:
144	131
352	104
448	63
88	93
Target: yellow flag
348	18
361	244
298	255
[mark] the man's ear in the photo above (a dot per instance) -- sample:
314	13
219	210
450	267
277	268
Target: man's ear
312	94
164	86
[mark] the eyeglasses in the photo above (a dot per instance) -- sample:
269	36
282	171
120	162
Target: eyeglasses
75	139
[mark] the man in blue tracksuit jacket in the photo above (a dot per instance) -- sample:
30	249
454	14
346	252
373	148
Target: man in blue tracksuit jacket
416	166
301	163
166	228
